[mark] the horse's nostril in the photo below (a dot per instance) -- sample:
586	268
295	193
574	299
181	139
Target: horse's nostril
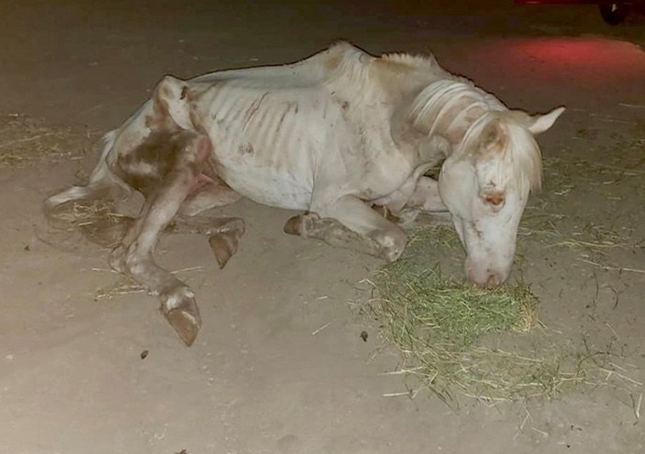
485	277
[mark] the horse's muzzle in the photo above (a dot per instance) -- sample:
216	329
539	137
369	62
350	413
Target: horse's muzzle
485	276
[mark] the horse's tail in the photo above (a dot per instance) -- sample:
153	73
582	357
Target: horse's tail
103	185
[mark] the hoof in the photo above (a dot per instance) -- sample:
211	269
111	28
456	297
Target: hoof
390	244
293	225
224	245
181	311
297	225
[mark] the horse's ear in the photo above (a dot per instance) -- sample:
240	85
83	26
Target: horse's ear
540	123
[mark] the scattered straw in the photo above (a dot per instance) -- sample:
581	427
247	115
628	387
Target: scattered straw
96	219
24	140
613	268
594	237
320	329
127	286
124	286
636	404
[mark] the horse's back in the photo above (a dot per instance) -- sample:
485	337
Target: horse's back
312	71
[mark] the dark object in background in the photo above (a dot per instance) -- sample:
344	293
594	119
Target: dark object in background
612	12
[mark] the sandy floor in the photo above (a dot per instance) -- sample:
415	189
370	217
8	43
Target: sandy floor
258	380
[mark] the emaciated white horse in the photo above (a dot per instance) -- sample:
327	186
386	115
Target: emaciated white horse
334	134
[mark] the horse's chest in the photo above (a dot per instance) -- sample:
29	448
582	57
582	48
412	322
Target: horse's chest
380	167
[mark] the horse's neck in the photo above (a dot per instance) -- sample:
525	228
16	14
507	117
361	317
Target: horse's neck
445	111
400	82
431	141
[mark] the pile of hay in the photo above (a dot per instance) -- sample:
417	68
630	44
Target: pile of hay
24	140
450	334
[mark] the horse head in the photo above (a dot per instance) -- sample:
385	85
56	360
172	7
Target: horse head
486	185
493	164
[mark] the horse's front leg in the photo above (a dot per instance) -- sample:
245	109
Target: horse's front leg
426	196
223	233
350	223
424	199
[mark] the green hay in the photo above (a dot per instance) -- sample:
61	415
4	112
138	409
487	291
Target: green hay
429	239
451	310
449	333
437	324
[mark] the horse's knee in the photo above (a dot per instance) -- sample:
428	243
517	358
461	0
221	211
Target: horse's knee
127	260
134	260
392	243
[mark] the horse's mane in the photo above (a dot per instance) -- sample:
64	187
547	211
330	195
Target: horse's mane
423	62
457	108
353	71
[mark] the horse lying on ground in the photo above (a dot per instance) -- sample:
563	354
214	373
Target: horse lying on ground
334	135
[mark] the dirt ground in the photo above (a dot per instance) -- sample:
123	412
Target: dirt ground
280	365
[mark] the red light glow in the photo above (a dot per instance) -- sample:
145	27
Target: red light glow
573	71
591	56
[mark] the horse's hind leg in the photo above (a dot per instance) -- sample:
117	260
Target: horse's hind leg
134	257
223	233
351	224
102	182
